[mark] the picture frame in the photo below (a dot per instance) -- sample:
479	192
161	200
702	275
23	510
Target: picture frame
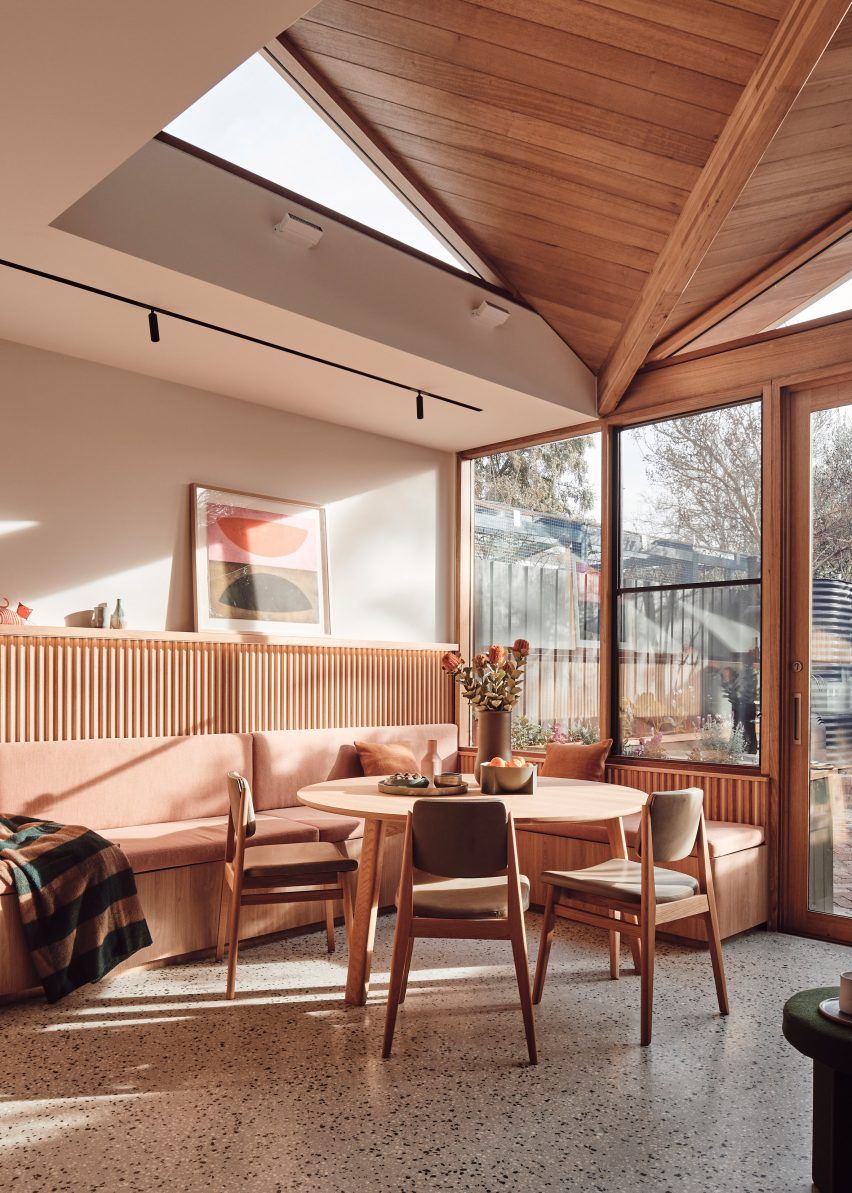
259	563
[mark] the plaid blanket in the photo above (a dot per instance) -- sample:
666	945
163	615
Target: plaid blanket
78	901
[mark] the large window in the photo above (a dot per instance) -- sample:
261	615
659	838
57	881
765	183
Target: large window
688	596
536	569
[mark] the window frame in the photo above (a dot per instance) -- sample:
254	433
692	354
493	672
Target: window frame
617	590
769	395
465	558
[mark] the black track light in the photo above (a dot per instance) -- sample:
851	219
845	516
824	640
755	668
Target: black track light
232	333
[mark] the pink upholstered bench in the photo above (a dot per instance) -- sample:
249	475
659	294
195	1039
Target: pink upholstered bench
164	801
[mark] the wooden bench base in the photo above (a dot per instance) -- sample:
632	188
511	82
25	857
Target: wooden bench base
740	879
182	909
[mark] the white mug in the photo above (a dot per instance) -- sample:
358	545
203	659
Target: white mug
846	993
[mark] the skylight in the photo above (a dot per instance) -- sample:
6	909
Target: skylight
837	300
256	120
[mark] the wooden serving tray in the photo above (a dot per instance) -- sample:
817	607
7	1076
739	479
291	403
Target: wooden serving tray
431	792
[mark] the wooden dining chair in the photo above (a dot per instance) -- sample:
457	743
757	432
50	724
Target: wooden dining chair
311	872
613	891
460	880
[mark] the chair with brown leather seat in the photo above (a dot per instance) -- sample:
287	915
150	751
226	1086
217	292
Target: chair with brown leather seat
460	880
316	871
613	891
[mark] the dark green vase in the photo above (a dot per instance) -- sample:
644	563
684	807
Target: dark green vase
493	737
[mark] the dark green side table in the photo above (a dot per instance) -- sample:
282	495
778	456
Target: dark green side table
829	1045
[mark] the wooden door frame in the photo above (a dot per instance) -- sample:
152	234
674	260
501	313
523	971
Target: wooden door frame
798	403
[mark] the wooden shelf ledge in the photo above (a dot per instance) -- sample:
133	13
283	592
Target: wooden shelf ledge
252	639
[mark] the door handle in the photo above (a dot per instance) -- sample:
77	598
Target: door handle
797	719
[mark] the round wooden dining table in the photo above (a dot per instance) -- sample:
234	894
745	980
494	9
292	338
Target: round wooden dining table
573	800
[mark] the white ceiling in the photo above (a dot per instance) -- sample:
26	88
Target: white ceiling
79	97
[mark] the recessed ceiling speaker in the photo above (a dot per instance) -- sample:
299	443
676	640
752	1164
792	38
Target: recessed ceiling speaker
299	230
490	315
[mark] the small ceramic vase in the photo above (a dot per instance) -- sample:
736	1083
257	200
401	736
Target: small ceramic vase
118	621
431	763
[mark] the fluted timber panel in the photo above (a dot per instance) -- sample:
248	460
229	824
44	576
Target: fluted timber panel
740	798
56	689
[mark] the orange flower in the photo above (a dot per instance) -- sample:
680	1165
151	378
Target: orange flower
480	660
451	662
496	655
521	648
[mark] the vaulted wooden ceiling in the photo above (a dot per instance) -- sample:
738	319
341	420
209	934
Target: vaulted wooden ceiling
578	145
803	184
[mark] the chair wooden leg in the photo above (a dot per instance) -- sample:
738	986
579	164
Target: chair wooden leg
522	970
347	881
547	929
401	942
649	933
223	920
711	919
234	939
715	945
407	969
618	848
329	924
615	951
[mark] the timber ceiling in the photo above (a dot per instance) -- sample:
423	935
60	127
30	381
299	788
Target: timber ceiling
561	144
803	182
562	139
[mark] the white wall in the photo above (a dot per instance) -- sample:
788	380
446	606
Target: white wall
94	468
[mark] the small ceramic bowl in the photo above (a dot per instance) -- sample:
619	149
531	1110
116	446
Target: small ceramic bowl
509	778
449	778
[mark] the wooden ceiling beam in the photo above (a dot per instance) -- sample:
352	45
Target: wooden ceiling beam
799	41
779	269
379	149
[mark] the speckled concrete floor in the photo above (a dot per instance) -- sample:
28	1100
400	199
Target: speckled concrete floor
152	1081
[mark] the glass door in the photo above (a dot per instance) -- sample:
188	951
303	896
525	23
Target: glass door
818	894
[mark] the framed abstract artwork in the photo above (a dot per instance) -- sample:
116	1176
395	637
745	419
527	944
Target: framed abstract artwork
259	563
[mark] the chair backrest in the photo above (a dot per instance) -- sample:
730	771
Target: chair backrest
241	803
460	838
674	817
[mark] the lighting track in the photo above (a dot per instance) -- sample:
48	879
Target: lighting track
154	312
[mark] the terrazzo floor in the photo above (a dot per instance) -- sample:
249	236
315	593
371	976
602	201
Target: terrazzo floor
151	1081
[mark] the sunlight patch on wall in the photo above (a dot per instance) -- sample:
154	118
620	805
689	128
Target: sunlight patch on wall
12	527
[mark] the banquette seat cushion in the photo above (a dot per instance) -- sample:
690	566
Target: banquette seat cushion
286	760
190	842
723	837
163	800
117	782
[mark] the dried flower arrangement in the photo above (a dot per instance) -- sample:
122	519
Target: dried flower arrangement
493	681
